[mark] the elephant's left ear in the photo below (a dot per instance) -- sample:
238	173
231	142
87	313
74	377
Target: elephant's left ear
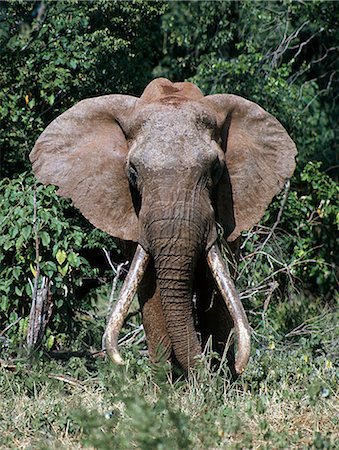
84	152
259	157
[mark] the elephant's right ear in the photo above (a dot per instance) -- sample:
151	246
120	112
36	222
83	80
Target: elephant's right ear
84	151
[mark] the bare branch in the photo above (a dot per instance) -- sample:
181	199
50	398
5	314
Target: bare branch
132	335
67	379
284	45
10	326
308	327
117	272
263	285
108	258
282	206
331	49
113	265
320	92
302	45
41	308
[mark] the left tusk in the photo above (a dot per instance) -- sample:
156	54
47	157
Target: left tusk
122	305
227	289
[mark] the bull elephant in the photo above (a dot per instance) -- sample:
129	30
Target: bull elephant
160	172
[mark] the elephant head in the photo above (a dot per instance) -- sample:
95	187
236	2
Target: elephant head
162	170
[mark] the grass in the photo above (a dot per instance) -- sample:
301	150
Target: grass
286	399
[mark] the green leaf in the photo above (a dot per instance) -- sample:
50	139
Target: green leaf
63	270
51	99
73	259
61	256
26	231
45	239
4	303
28	290
31	103
8	244
50	265
18	291
14	231
19	242
16	272
50	342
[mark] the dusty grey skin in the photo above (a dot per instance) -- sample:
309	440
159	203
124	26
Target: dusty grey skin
161	170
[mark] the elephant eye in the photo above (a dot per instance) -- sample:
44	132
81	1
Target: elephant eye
132	175
216	170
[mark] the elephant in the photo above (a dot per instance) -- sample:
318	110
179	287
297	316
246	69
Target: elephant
162	173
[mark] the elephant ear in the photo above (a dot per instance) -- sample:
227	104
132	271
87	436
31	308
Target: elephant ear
83	152
259	157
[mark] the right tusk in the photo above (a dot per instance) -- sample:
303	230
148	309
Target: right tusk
234	305
122	305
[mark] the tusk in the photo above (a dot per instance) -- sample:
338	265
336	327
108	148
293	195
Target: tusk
122	305
234	305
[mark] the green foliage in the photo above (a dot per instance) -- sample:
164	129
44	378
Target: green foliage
312	218
34	223
299	258
191	30
54	54
150	426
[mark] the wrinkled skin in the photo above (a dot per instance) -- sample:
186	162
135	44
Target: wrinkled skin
176	216
161	171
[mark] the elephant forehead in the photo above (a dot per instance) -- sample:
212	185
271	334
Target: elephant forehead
173	136
174	149
188	117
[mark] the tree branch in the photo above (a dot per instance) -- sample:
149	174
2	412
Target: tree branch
281	209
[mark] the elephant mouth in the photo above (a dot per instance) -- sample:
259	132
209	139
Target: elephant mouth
224	283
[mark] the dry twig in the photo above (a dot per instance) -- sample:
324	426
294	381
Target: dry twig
41	308
281	209
117	271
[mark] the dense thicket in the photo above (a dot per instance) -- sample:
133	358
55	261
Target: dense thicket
282	55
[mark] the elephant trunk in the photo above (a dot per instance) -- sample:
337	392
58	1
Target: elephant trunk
174	275
176	240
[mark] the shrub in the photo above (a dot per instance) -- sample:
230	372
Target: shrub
37	227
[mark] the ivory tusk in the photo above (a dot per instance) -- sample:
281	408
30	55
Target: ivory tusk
123	303
227	289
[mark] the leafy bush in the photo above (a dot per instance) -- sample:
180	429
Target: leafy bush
311	217
36	228
292	254
54	54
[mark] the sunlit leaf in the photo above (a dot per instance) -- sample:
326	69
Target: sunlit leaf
61	256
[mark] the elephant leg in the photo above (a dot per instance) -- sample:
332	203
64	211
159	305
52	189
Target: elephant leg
214	320
158	341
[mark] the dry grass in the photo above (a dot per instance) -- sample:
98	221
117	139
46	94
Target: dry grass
287	398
